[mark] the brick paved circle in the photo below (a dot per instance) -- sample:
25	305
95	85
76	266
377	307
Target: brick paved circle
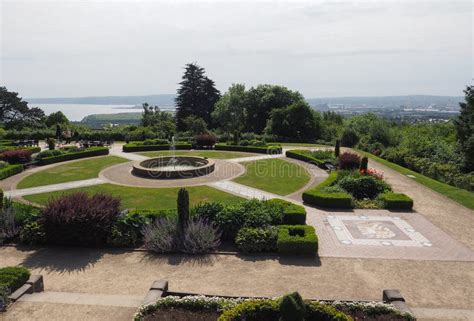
121	175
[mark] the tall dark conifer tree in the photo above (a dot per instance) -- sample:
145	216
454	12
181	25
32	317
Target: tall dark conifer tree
196	96
465	128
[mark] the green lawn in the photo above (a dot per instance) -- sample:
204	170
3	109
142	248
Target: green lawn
75	171
274	175
145	198
202	153
459	195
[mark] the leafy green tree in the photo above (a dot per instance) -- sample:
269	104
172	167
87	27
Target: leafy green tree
262	99
196	96
297	122
57	118
159	121
230	111
465	128
15	113
195	125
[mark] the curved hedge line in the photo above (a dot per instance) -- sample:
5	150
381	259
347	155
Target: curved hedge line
304	156
93	151
314	196
10	170
250	149
140	147
396	201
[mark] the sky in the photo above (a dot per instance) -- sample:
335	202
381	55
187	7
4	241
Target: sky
320	48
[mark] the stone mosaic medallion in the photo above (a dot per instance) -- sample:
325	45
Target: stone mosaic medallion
375	230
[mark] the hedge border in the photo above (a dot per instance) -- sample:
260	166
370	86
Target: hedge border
13	277
396	201
134	147
293	214
300	155
314	196
271	150
11	170
295	244
94	151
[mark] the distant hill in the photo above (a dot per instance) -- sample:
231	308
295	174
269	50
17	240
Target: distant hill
159	100
119	118
389	101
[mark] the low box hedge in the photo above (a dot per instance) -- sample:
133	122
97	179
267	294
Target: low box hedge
314	196
297	239
293	214
273	149
93	151
10	170
396	201
13	277
140	147
305	156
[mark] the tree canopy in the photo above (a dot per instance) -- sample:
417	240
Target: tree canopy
196	96
15	113
230	110
56	118
465	127
160	121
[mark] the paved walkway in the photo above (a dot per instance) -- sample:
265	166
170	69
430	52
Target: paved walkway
53	187
116	150
242	190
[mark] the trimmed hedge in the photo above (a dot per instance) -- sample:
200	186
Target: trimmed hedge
297	239
396	201
293	214
10	170
250	149
93	151
314	196
140	147
13	277
305	156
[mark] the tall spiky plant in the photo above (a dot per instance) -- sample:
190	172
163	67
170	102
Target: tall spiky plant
183	211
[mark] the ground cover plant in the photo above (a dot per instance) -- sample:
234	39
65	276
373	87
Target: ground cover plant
11	278
83	169
144	198
274	175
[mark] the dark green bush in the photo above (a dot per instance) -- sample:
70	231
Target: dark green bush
93	151
33	234
305	156
324	312
396	201
364	162
292	307
260	239
297	239
363	186
50	153
13	277
10	170
349	138
251	149
141	147
293	214
317	196
207	210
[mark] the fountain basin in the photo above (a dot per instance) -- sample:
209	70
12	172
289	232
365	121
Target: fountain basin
177	167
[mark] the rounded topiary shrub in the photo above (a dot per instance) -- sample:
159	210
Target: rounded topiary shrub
80	219
363	186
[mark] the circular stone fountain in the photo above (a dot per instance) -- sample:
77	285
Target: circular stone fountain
173	167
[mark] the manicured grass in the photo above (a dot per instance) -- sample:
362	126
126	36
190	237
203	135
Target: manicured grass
274	175
202	153
459	195
146	198
75	171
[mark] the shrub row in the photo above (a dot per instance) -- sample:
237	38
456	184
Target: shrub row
93	151
140	147
305	156
13	277
10	170
273	149
396	201
316	197
297	239
293	214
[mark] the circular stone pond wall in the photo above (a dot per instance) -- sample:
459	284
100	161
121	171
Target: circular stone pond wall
168	167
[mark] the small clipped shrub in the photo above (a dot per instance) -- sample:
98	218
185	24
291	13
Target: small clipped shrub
297	239
79	219
292	307
205	140
33	234
326	312
200	237
160	236
19	156
260	239
155	142
320	197
364	162
293	214
252	310
51	143
349	161
396	201
50	153
207	211
13	277
363	186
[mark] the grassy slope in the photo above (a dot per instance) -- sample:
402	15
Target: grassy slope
459	195
274	175
201	153
146	198
83	169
